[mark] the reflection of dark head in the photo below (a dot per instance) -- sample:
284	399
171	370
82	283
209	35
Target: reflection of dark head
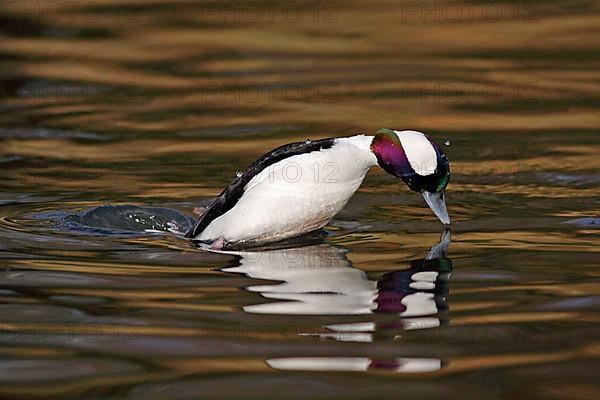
394	286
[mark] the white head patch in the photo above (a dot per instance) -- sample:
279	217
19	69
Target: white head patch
419	152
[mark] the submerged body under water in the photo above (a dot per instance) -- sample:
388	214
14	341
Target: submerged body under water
129	218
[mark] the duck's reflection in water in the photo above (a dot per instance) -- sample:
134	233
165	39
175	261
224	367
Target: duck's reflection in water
320	280
401	365
316	280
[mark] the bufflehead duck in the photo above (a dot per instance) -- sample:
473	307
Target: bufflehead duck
299	187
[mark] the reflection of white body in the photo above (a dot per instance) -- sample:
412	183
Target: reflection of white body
316	280
319	280
401	365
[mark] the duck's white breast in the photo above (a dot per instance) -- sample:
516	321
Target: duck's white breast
296	195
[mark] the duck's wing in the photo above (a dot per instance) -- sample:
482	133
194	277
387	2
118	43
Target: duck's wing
232	193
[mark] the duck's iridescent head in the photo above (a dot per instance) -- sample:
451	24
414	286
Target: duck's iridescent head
419	162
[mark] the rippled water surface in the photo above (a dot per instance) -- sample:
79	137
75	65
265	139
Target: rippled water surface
149	108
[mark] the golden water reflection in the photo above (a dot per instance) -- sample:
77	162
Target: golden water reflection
160	103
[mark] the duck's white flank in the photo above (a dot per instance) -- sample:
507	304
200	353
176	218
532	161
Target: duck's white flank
296	195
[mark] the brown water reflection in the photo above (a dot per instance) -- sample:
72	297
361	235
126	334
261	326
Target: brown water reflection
159	103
